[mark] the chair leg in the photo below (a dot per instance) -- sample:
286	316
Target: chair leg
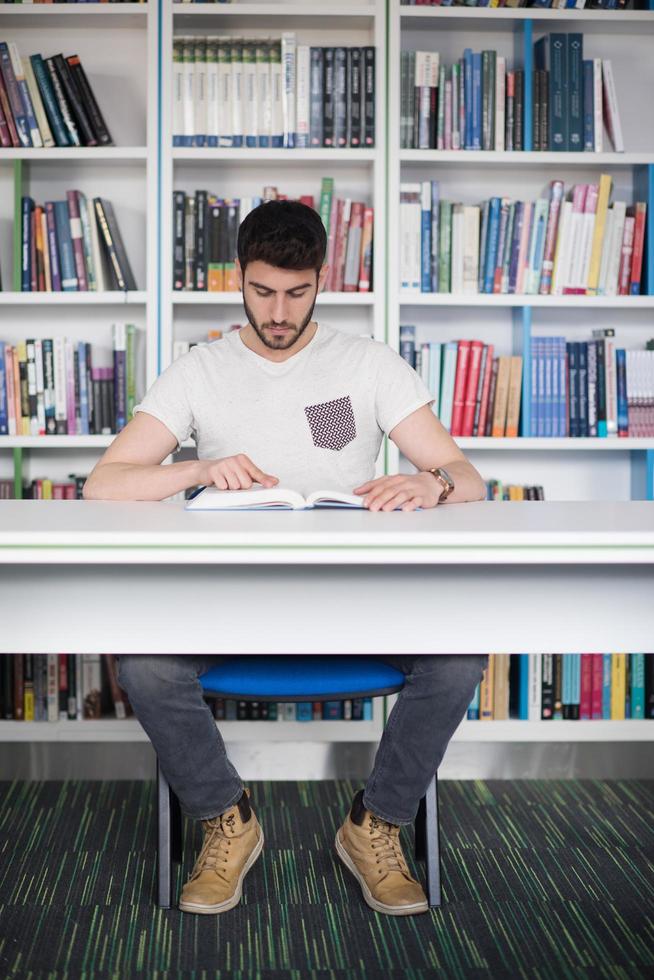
419	826
176	823
432	844
164	842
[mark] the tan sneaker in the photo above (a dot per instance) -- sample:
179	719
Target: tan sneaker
232	843
371	849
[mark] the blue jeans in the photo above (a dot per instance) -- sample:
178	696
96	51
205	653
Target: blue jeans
167	698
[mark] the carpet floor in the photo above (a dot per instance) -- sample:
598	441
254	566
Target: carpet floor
541	879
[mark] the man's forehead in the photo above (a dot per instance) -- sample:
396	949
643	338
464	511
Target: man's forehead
271	277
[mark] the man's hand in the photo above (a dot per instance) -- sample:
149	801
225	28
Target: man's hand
233	473
403	491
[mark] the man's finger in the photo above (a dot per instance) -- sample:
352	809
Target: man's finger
265	479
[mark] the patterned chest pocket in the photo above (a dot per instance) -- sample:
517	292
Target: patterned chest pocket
332	423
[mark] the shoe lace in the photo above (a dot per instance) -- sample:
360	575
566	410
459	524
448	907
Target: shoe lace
214	853
385	840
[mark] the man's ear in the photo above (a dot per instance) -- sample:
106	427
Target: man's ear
239	274
322	277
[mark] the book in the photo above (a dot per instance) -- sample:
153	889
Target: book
274	498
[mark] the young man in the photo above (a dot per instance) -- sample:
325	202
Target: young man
292	401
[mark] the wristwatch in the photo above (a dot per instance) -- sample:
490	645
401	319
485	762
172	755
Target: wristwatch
445	481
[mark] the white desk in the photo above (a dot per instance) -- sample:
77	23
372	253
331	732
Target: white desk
97	576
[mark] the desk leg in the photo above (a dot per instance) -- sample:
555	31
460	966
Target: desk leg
432	844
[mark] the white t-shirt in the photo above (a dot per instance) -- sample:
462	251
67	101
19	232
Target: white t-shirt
315	421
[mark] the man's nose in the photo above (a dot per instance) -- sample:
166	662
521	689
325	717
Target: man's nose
280	309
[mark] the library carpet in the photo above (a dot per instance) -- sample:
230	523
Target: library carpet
541	878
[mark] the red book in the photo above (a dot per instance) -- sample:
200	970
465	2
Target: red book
472	381
9	117
365	266
625	256
342	229
596	686
460	379
586	686
485	391
639	212
5	138
491	397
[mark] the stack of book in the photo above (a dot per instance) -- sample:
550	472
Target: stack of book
475	393
496	490
47	102
565	686
53	387
72	246
45	488
554	4
591	388
352	709
575	244
206	228
258	92
478	102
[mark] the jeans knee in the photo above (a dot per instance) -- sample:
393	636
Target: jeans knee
148	672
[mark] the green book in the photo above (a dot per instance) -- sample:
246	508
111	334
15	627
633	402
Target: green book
445	250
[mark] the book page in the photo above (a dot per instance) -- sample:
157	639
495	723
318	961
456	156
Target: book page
258	498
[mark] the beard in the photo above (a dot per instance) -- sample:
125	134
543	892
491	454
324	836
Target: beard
279	343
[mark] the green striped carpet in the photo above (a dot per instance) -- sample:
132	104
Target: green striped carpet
540	879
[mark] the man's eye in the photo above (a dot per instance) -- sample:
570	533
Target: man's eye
263	295
298	295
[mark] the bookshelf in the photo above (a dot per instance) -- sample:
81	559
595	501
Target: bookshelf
510	321
132	75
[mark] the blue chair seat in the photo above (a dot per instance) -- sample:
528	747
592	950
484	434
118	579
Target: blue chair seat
298	678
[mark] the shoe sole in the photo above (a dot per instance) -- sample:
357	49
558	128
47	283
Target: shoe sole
414	909
229	903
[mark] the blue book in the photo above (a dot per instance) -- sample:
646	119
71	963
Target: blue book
367	709
606	686
637	675
14	95
50	104
425	237
535	357
492	243
304	711
563	408
4	418
582	374
435	233
542	408
483	242
27	209
518	221
83	388
571	351
65	247
473	708
575	54
332	710
551	54
548	400
476	101
621	391
467	87
523	693
589	107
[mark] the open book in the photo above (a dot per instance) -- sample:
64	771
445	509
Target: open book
275	498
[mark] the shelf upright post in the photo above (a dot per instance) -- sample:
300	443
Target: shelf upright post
642	474
527	98
522	345
644	191
18	244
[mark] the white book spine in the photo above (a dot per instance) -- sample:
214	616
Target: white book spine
59	357
189	94
500	95
224	127
17	66
619	216
178	92
560	273
213	93
53	687
288	87
264	82
250	95
457	249
606	251
611	110
611	387
456	136
98	265
37	102
40	386
201	101
598	115
302	105
586	247
410	219
236	64
535	686
471	217
447	390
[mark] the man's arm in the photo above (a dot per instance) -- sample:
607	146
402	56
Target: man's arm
423	439
131	467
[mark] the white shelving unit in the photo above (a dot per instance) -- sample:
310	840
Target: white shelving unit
131	72
568	469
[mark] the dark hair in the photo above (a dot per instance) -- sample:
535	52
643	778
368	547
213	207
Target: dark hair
285	234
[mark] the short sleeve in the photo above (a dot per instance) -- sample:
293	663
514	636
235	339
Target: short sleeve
400	390
168	401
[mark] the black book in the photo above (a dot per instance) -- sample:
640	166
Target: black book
544	109
535	109
340	97
78	410
600	390
179	239
518	111
354	64
369	96
96	426
214	277
328	97
64	109
241	710
316	96
201	240
547	687
73	99
7	672
88	100
649	685
106	407
114	247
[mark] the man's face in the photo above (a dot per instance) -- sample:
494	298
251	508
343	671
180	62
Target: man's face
279	302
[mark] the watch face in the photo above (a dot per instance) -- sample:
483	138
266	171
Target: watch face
447	478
